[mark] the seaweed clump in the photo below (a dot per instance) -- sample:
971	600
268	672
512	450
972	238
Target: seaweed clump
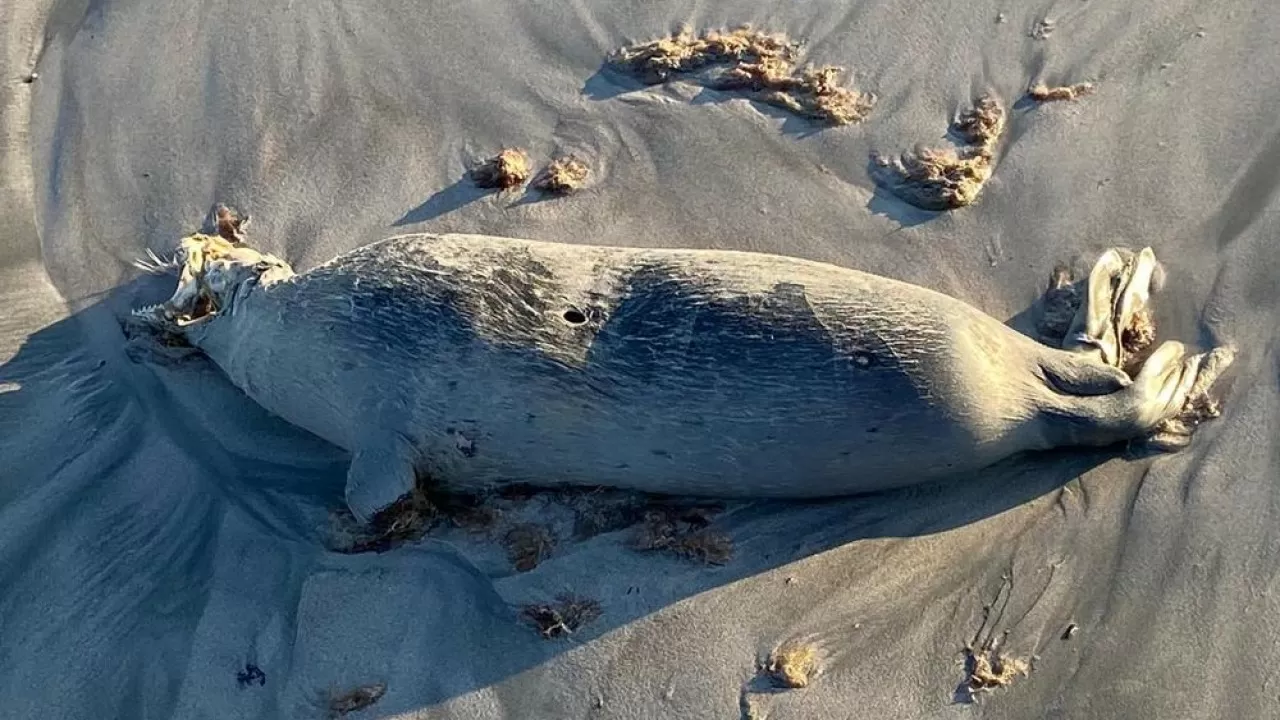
685	535
503	171
793	664
563	176
410	518
230	224
528	544
944	178
987	669
1043	93
563	617
405	520
759	64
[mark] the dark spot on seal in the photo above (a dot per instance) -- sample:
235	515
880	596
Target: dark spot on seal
661	453
452	384
873	429
574	316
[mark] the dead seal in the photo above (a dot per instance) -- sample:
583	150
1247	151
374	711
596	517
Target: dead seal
482	360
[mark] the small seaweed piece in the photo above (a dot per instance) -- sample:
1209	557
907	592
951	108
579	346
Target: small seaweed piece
507	169
405	520
528	544
988	669
563	175
563	617
600	511
982	124
942	178
936	178
684	535
1139	334
986	666
230	224
793	664
1043	93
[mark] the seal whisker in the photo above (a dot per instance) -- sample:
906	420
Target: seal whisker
155	265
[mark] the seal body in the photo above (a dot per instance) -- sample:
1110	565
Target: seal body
482	360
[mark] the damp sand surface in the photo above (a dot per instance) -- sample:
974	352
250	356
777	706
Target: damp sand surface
161	537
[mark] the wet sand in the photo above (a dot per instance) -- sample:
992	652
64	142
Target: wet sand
159	533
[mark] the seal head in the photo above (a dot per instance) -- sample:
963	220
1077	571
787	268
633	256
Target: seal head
214	276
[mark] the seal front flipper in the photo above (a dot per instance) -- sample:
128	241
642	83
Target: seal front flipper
382	470
1080	374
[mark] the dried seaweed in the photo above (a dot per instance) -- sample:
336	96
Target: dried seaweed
793	664
759	64
1043	93
507	169
943	178
563	617
563	175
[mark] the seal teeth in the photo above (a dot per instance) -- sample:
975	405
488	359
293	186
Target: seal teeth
146	311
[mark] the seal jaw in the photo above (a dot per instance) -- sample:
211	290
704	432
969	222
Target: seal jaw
164	313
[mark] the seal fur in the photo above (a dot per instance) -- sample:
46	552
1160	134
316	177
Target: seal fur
482	360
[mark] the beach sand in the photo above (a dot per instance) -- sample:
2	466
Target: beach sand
159	533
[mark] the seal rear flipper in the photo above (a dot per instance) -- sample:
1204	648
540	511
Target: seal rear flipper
381	472
1113	321
1072	374
1194	399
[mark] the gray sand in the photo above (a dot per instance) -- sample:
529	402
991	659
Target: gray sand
158	532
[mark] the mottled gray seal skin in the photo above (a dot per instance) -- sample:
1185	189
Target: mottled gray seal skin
482	360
